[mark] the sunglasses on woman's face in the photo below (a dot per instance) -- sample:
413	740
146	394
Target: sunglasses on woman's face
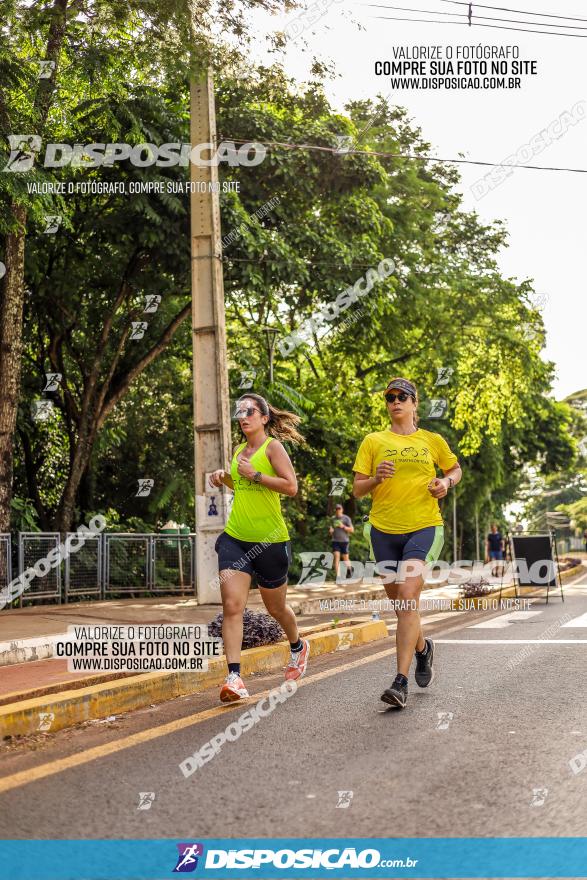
246	413
402	397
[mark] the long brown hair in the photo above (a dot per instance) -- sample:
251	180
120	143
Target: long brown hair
282	424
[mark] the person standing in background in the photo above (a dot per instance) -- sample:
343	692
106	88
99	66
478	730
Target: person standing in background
340	531
495	549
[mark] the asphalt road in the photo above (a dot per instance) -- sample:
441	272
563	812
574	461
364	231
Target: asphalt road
488	750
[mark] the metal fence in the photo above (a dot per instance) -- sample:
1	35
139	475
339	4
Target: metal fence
173	562
5	560
149	563
126	564
83	571
104	566
33	548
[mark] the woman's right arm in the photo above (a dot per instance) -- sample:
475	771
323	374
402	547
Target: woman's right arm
364	484
227	480
221	476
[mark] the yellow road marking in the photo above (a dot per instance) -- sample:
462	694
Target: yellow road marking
34	774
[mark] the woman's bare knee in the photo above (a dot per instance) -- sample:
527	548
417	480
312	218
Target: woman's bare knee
233	606
407	596
274	599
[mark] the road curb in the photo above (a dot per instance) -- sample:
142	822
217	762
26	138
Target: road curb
28	650
53	712
571	572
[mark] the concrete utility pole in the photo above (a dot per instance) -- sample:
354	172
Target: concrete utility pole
210	370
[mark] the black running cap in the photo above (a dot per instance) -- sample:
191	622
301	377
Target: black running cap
401	385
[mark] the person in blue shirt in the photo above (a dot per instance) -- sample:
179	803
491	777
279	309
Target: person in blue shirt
495	549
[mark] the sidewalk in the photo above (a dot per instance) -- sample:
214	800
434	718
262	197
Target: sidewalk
28	635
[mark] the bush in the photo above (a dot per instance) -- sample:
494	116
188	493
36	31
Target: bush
476	587
568	562
258	629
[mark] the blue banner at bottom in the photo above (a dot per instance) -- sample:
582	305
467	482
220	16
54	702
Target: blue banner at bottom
229	858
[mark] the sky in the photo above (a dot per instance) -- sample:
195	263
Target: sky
544	211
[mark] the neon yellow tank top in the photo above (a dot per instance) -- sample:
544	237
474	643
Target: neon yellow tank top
256	510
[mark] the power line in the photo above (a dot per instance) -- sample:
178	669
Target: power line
477	17
385	155
498	27
226	258
517	11
266	260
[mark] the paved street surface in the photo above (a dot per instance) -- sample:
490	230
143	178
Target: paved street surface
485	751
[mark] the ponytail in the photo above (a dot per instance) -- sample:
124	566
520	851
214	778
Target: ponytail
282	424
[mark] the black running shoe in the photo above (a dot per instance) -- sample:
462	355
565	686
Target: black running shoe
424	668
396	695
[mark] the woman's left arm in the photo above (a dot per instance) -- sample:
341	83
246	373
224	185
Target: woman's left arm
285	482
439	487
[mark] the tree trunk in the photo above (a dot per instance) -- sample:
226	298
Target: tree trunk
87	488
80	463
11	310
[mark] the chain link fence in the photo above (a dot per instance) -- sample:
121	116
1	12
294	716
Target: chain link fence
126	564
83	571
105	566
173	561
33	548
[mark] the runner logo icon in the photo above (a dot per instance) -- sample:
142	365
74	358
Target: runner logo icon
315	567
187	860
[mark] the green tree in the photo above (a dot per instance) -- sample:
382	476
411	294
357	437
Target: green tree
96	54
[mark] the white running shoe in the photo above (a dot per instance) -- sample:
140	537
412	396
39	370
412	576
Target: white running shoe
298	662
233	689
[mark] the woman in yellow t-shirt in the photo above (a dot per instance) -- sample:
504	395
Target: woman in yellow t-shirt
398	467
255	539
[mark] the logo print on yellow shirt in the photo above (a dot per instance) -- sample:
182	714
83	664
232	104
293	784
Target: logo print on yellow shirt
410	453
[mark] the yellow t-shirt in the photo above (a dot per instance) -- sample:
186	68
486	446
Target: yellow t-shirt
402	503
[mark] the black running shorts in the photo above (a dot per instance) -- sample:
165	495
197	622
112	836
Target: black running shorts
268	562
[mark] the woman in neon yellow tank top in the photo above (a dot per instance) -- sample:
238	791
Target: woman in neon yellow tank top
255	539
